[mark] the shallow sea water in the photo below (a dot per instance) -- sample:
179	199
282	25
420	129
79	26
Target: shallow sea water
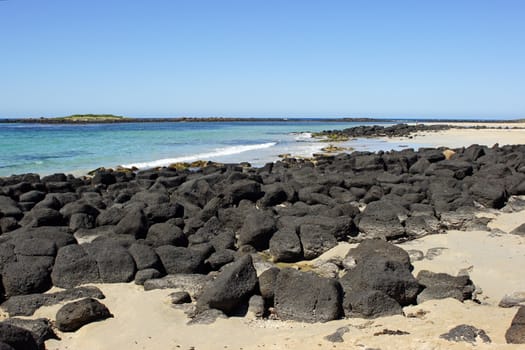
77	149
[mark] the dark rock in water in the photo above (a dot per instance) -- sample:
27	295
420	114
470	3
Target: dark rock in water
72	316
267	281
466	333
388	276
26	305
442	285
207	317
371	249
193	284
369	303
17	338
144	256
26	277
134	224
516	333
233	286
180	259
285	246
305	297
40	329
315	240
147	274
166	234
73	267
114	262
257	229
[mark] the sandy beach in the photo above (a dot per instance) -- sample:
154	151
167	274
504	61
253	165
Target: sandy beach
493	258
495	133
146	320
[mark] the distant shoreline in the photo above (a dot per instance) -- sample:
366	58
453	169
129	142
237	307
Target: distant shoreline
253	119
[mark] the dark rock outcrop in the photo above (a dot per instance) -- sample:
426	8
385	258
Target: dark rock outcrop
233	286
72	316
305	297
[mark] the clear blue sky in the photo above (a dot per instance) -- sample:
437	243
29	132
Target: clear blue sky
459	58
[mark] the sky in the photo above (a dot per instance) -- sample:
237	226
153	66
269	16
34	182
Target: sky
289	58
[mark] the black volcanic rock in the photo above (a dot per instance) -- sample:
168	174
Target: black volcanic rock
305	297
72	316
233	286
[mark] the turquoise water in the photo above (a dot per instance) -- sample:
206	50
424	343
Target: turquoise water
45	149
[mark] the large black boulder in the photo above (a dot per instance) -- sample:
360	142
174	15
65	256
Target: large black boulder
232	287
134	223
8	207
244	189
73	267
16	338
257	229
382	219
144	256
286	246
371	249
114	262
383	274
369	303
40	328
72	316
180	259
491	193
26	276
315	240
42	217
165	234
306	297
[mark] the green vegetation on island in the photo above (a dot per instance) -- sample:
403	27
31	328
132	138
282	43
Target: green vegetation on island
91	118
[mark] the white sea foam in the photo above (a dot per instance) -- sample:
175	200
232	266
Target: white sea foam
303	136
219	152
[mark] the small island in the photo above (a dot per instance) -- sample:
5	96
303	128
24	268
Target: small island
90	118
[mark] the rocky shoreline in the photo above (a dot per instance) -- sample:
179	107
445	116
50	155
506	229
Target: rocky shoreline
230	239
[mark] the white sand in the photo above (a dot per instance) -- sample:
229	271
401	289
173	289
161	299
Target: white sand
455	138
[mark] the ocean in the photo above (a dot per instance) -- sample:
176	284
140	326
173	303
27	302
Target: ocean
79	148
